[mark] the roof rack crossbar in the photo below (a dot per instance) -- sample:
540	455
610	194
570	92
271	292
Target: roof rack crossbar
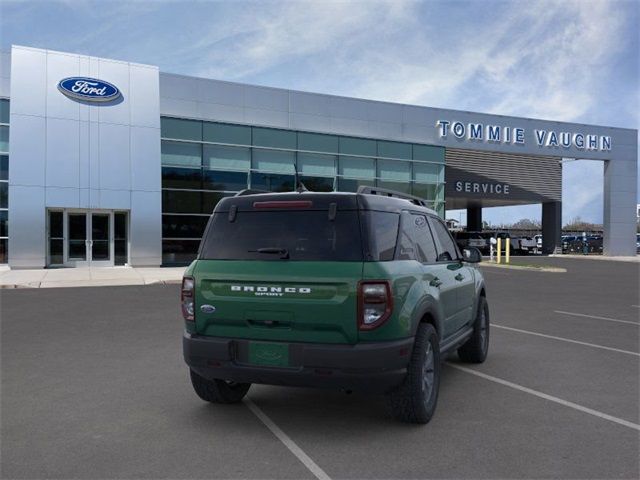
392	193
250	191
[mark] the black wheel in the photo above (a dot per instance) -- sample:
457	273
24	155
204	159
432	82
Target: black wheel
415	400
218	391
476	348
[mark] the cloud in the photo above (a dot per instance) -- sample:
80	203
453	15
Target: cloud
573	60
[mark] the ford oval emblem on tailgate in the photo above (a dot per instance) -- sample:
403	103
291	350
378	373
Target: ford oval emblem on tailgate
207	309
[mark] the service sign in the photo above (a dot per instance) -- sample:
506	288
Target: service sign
88	89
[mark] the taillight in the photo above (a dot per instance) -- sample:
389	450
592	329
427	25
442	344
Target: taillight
375	304
187	298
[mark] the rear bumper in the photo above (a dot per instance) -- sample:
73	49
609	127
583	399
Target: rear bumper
369	367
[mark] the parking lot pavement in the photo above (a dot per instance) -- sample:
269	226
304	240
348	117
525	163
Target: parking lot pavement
93	386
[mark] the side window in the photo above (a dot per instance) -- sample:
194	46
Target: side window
406	248
416	242
447	251
382	234
426	249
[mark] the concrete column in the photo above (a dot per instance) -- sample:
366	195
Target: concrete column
620	207
551	226
474	219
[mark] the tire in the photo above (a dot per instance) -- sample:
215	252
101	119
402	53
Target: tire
475	350
414	401
218	391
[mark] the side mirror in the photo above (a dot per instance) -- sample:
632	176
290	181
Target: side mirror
471	255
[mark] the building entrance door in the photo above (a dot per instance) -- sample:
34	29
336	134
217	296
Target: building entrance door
83	238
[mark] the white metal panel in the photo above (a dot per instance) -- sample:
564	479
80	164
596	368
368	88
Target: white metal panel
144	96
28	81
5	87
350	126
341	107
270	118
312	103
412	132
114	157
27	141
178	87
386	112
84	153
62	155
94	155
5	74
385	130
62	197
5	64
304	121
83	201
84	71
179	107
224	93
266	98
59	66
27	220
221	113
115	199
415	115
619	207
94	72
145	229
145	159
94	198
116	73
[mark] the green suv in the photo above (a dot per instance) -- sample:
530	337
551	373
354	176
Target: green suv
358	291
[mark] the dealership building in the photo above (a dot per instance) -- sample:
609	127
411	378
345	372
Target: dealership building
106	162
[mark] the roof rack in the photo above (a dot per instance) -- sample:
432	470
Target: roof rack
250	191
391	193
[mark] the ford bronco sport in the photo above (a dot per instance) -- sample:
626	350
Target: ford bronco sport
355	291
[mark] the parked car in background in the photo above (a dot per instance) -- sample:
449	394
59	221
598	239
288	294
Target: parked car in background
527	245
471	239
638	243
582	244
568	243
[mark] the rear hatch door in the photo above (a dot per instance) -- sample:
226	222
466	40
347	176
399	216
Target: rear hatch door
280	270
281	301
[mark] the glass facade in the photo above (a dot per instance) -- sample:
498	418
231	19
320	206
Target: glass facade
203	162
4	180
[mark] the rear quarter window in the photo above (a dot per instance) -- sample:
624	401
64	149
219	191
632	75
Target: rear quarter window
382	232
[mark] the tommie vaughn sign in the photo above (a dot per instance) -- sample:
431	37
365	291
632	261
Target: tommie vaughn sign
478	132
88	89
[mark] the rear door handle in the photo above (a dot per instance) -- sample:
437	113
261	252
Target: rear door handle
459	277
435	282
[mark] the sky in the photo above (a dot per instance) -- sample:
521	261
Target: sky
567	60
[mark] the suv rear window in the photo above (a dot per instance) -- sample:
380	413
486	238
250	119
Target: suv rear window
305	235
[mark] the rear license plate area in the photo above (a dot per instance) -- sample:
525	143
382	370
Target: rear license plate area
269	354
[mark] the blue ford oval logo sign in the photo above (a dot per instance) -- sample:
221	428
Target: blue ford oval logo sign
89	89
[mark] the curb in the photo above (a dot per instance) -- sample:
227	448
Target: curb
62	284
522	267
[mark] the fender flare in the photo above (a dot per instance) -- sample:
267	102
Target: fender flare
427	308
479	288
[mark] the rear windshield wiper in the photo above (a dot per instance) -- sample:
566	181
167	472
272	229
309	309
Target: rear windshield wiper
283	252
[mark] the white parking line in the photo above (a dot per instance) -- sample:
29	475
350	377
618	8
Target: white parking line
286	440
551	398
596	317
566	340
